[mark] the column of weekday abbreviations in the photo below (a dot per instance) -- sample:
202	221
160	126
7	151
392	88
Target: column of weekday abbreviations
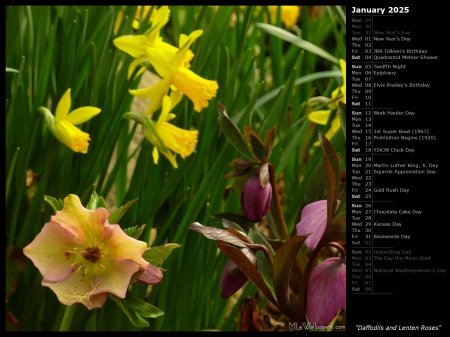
361	140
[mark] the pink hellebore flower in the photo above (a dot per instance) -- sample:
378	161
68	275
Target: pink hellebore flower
326	291
233	278
313	222
255	199
82	257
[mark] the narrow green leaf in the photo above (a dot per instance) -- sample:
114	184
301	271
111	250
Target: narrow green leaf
96	202
56	204
157	255
11	70
297	40
116	215
232	133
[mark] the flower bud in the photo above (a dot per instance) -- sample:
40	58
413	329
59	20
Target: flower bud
255	199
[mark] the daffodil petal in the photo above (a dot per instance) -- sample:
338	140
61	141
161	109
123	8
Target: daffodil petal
63	107
134	45
319	116
81	115
162	60
198	89
156	93
71	136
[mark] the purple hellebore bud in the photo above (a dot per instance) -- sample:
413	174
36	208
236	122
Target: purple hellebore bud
326	291
255	199
233	278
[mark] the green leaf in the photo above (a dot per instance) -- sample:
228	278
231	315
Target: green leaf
332	173
266	270
233	220
134	317
96	202
257	238
134	232
297	40
14	266
116	215
232	133
157	255
283	264
342	113
247	267
56	204
143	308
255	143
11	70
217	234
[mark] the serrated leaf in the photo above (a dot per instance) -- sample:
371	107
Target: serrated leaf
56	204
283	264
134	317
157	255
143	308
135	231
95	202
232	132
332	174
217	234
255	143
247	267
342	113
115	216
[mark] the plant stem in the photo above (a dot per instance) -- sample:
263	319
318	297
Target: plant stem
67	319
276	209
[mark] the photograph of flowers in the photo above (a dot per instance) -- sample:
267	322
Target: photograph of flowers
175	168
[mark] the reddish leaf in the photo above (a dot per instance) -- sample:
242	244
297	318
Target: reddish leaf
247	267
283	264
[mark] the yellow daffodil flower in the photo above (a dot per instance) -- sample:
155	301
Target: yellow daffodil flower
289	15
172	69
137	17
62	125
167	138
321	116
136	45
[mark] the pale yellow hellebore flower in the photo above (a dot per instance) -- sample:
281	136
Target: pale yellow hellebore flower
321	116
172	69
62	125
82	257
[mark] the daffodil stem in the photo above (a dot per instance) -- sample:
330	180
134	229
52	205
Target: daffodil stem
67	319
277	211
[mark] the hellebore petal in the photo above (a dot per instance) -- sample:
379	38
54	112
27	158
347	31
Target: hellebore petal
313	222
255	199
326	291
231	283
150	275
82	257
233	278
